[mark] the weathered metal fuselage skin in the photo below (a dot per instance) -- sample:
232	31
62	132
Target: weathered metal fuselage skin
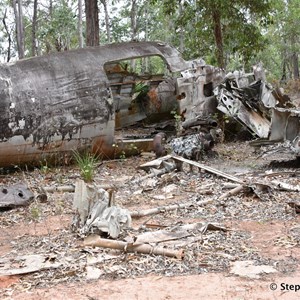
53	104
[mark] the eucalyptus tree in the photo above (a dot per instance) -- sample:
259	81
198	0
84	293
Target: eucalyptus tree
20	35
57	26
6	36
34	29
289	34
105	4
220	27
80	30
92	22
281	53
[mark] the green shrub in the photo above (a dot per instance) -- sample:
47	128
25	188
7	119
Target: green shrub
87	163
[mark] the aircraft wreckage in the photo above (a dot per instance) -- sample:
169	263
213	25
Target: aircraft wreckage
80	99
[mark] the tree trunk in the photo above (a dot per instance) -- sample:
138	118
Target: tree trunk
34	26
92	22
8	36
216	15
80	35
181	35
295	64
21	30
133	20
146	16
108	34
133	28
294	58
17	21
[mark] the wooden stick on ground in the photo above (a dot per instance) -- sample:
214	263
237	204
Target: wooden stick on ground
162	209
97	241
232	192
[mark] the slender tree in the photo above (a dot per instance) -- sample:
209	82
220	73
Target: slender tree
8	33
80	34
34	29
18	11
107	25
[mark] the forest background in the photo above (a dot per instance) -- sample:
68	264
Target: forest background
232	34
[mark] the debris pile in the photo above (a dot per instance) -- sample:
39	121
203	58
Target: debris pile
192	146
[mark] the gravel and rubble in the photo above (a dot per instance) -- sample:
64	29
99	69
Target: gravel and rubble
44	227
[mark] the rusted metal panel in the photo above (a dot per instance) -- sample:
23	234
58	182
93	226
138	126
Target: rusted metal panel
285	124
195	90
53	104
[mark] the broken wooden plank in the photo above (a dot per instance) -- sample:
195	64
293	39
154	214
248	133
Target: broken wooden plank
97	241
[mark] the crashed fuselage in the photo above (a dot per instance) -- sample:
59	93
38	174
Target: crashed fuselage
53	104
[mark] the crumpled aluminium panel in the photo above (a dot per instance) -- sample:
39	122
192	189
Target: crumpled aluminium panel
242	100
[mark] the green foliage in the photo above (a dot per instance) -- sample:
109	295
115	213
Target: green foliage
241	33
58	30
123	155
178	120
252	30
35	212
283	38
87	163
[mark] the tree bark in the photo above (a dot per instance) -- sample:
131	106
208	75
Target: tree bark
92	22
216	16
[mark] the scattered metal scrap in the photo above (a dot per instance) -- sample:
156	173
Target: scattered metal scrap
266	112
15	196
96	212
27	264
192	146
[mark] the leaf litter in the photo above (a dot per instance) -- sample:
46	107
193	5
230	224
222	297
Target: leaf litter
43	229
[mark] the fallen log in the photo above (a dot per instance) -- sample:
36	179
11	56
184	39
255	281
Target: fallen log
162	209
97	241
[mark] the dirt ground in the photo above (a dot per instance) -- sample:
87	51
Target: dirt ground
262	229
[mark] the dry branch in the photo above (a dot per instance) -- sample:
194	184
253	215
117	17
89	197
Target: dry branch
232	192
97	241
162	209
